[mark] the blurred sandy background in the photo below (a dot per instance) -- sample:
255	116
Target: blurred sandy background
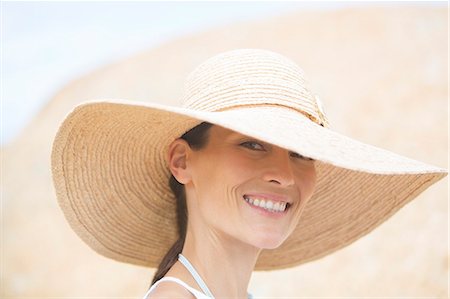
382	74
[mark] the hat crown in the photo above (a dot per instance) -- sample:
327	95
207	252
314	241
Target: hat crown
249	77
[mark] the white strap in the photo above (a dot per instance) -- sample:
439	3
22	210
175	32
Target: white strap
196	276
195	292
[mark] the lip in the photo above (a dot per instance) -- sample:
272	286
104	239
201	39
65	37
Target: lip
270	196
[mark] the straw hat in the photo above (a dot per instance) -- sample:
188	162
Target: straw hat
111	176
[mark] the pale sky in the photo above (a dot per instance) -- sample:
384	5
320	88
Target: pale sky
45	45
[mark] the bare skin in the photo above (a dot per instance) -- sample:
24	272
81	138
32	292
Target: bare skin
226	234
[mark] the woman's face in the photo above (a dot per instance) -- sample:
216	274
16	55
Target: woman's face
247	189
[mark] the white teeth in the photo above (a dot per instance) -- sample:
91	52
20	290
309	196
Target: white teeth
267	204
276	206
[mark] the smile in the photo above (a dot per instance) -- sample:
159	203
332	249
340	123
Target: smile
268	205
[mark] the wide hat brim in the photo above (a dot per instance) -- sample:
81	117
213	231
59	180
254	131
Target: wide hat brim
111	178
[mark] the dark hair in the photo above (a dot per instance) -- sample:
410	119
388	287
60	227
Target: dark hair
197	138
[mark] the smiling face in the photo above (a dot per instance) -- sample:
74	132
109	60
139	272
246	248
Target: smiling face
246	189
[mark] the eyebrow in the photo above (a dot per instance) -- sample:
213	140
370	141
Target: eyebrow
242	136
236	135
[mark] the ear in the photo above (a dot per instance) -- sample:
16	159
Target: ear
177	155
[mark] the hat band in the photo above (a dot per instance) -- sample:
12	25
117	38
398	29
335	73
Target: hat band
321	120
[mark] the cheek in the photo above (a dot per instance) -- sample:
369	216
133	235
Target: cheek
231	170
216	179
242	167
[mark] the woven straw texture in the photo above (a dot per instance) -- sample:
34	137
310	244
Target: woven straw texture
111	176
381	73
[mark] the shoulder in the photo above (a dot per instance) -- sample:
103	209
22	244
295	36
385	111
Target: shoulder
170	289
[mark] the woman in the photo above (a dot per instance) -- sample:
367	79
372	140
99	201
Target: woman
248	155
243	195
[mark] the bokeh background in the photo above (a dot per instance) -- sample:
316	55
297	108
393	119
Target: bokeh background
381	70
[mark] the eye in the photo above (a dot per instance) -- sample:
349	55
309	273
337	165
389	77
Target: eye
253	145
298	156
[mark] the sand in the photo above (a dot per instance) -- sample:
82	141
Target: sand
382	75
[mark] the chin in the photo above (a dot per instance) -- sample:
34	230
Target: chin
269	241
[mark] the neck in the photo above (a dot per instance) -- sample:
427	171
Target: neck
209	251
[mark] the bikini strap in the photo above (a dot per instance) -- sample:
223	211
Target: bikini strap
195	292
196	276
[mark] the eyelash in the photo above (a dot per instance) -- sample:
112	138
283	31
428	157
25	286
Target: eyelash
248	144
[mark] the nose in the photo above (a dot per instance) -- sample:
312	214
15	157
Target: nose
279	168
